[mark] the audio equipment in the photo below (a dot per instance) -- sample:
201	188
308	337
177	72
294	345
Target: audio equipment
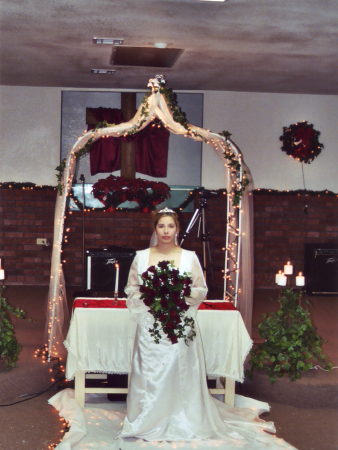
321	269
101	271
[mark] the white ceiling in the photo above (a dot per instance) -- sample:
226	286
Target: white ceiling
286	46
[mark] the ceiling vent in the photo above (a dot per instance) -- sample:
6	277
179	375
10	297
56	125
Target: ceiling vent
124	55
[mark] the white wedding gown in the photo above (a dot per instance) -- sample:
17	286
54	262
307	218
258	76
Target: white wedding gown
168	397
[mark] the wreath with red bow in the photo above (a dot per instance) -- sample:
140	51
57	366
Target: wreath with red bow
300	141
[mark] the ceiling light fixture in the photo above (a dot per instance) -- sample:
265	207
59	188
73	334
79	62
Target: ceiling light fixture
106	71
108	41
160	45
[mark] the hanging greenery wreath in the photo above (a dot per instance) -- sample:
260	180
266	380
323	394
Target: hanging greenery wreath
300	141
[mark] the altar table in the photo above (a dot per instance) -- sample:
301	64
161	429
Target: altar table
100	340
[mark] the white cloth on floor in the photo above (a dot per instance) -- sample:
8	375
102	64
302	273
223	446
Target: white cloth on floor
103	419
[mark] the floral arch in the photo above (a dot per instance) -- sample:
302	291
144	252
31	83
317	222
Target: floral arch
238	265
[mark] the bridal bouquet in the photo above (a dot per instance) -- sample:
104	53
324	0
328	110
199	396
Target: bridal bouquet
164	291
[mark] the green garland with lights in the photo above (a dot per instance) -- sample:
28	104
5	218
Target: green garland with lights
25	186
298	192
191	196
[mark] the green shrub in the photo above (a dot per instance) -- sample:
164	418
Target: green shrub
9	346
291	343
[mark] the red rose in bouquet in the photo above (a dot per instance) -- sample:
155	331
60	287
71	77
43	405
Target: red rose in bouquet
164	290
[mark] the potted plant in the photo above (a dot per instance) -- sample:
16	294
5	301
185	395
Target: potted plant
291	343
9	346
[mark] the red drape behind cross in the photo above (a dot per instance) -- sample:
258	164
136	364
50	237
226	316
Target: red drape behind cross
151	147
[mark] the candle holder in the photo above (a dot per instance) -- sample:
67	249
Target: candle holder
116	295
284	279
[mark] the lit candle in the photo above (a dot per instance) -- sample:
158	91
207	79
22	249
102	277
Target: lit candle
288	268
2	272
277	276
117	279
282	280
300	280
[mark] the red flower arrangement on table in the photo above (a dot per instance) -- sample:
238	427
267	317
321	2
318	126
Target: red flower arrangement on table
164	290
112	191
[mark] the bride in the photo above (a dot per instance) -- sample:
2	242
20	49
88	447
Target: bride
168	397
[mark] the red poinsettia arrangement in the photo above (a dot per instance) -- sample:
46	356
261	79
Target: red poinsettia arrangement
112	191
164	290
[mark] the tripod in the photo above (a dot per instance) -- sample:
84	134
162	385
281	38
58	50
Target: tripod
199	215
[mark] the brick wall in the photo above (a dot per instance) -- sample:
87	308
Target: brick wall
25	215
280	230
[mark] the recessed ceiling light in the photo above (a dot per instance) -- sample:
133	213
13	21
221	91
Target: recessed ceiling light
106	71
108	41
125	55
160	45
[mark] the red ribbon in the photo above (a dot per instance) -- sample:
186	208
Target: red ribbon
111	303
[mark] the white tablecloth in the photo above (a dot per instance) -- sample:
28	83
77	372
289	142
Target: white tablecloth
102	339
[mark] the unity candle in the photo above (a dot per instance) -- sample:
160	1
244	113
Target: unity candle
288	268
300	280
117	267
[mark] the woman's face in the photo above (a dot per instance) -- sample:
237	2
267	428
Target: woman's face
165	230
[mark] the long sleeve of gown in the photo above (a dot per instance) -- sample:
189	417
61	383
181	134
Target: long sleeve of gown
198	287
135	305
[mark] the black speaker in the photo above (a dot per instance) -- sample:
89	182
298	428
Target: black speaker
321	269
101	271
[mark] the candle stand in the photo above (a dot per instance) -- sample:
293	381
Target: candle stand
284	279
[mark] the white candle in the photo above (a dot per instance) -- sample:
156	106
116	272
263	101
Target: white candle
288	268
282	280
300	280
2	272
117	278
277	276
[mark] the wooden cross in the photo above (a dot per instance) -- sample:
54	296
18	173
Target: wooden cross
128	107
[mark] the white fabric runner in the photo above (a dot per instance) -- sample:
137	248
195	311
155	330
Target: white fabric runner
95	426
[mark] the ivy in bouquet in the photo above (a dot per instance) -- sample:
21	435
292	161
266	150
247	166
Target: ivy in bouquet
164	291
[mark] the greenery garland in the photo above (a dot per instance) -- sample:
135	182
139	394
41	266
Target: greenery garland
236	169
140	207
300	141
298	192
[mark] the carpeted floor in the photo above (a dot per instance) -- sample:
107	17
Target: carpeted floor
304	412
